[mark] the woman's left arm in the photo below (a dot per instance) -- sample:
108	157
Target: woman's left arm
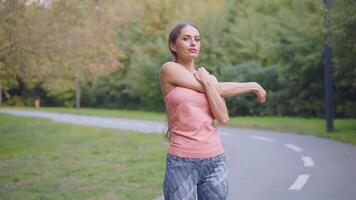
229	89
216	102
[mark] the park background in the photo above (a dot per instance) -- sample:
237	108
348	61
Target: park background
114	50
107	55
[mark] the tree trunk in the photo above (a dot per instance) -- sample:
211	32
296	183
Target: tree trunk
0	96
77	95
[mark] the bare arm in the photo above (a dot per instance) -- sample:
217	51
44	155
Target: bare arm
175	74
228	89
216	101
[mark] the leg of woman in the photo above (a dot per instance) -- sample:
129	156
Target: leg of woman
213	184
180	179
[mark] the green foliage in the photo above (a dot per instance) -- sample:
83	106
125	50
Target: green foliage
111	92
343	41
248	72
277	43
51	43
283	40
16	101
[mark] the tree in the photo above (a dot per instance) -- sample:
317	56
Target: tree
60	41
344	51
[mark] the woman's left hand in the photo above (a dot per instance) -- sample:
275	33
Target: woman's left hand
261	93
203	76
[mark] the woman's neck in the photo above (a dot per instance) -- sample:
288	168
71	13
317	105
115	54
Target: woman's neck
188	64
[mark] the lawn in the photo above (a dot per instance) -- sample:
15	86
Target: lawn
41	159
345	129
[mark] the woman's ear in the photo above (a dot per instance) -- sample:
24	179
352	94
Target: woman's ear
172	47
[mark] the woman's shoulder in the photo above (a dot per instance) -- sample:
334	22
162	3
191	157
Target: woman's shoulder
170	66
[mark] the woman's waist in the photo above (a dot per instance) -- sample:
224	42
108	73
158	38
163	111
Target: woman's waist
196	139
197	149
191	124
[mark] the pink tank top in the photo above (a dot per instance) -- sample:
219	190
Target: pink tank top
192	130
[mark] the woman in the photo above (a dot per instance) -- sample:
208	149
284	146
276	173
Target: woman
196	163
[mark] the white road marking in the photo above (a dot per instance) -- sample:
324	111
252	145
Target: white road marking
294	147
308	161
256	137
300	182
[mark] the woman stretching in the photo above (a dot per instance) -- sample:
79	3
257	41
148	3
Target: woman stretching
196	163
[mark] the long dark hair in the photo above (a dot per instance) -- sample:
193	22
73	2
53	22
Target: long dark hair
168	132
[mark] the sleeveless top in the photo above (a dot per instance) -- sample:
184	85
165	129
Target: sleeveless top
190	120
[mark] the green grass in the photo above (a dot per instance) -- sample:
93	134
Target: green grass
41	159
345	129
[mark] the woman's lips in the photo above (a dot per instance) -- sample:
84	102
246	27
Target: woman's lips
193	50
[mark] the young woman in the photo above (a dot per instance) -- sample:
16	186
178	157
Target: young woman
196	163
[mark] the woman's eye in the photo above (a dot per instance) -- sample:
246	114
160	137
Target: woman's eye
185	39
197	39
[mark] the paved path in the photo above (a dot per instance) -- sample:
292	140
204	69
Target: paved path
263	165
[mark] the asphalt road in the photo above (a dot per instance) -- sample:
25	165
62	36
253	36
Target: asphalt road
263	165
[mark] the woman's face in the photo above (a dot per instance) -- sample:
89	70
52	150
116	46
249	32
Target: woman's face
187	45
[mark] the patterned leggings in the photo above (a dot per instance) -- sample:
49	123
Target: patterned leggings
191	178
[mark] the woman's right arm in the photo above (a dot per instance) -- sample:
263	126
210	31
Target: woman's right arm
175	74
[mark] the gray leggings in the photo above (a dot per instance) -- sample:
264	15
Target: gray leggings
188	178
